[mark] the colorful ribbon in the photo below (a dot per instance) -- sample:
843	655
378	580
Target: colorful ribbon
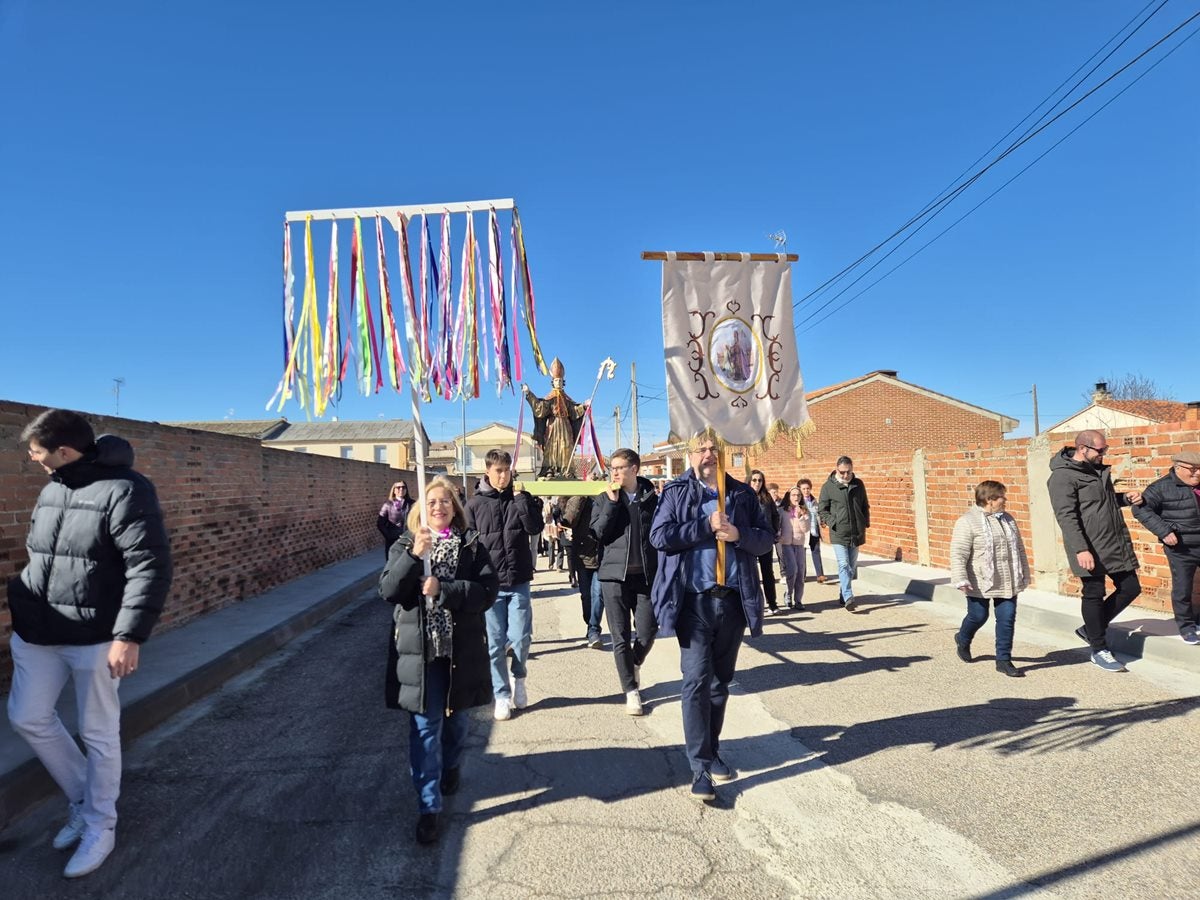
387	318
527	292
289	310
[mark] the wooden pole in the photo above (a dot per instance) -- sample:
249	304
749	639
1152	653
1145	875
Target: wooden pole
720	257
721	510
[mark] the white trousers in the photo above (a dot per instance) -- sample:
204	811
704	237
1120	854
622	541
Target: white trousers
39	675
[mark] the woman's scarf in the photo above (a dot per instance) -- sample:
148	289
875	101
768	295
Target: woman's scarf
439	626
1009	527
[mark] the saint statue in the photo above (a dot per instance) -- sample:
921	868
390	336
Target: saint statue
557	420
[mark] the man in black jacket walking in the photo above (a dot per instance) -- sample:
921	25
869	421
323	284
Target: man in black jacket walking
1096	538
621	520
1171	509
98	574
845	510
505	520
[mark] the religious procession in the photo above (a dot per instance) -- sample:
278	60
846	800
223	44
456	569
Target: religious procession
699	561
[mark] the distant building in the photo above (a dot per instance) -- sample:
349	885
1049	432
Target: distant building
498	436
1105	413
388	441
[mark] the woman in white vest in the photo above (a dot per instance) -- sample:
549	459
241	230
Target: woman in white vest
989	565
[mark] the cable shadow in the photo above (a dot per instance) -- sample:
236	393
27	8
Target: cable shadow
1055	876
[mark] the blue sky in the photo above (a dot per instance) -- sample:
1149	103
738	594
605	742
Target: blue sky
149	151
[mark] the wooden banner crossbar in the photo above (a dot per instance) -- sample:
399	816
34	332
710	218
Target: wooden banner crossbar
720	257
390	212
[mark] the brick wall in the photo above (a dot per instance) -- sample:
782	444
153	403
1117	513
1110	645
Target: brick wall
855	422
242	518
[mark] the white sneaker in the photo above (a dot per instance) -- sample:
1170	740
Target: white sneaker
520	699
72	831
94	848
503	709
633	703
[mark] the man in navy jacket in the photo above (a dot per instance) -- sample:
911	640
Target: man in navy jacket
709	619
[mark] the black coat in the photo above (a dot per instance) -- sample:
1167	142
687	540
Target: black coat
1171	507
577	515
99	558
610	524
1088	510
771	510
468	596
845	510
505	523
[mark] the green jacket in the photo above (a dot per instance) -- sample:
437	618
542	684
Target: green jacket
844	508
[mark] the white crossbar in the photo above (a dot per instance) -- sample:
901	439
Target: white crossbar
390	212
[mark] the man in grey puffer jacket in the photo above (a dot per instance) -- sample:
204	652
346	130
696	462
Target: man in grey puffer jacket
1088	509
98	574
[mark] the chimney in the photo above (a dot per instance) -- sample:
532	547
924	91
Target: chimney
1101	393
1192	414
891	373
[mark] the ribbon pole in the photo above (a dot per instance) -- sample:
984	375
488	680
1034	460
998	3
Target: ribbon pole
418	430
611	367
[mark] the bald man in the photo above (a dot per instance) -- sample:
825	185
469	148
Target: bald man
1096	538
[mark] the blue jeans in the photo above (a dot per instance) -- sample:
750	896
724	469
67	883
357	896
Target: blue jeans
592	603
509	620
847	562
1006	620
710	634
814	544
435	741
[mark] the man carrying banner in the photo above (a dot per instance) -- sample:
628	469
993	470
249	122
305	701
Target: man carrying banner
733	379
706	613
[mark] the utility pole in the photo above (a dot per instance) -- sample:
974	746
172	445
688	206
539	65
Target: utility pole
637	441
117	382
1037	428
616	427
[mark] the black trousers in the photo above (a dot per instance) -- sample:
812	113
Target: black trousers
1098	610
1183	565
766	568
621	600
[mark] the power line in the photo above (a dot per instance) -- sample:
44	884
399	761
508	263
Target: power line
937	206
1045	153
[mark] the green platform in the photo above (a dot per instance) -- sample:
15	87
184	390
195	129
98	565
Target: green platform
562	488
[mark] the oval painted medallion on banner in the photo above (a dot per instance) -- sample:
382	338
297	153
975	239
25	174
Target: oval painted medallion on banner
735	354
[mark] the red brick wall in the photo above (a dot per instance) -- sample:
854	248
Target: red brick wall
855	423
242	518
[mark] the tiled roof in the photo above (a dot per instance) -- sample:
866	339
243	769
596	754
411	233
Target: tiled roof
1155	410
369	430
812	396
259	429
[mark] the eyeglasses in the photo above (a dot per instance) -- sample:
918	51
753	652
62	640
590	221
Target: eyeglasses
1191	470
439	501
1100	450
618	468
703	451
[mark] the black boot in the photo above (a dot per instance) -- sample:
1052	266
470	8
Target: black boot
964	650
450	779
427	828
1006	667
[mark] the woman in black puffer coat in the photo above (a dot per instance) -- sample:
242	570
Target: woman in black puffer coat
438	655
758	484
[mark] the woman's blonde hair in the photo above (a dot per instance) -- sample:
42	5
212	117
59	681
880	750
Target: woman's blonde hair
441	482
392	492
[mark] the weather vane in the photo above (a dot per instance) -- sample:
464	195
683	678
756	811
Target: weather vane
780	239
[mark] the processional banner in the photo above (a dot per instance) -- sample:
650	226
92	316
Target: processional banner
733	372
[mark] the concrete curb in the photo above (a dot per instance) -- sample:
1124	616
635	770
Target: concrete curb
28	783
1138	633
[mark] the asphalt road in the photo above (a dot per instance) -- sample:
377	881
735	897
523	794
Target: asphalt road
873	764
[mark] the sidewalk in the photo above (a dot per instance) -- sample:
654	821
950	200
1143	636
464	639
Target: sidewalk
1137	633
185	663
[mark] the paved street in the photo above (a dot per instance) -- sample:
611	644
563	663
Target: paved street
874	764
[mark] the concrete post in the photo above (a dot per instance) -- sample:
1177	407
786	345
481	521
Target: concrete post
921	508
1049	556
